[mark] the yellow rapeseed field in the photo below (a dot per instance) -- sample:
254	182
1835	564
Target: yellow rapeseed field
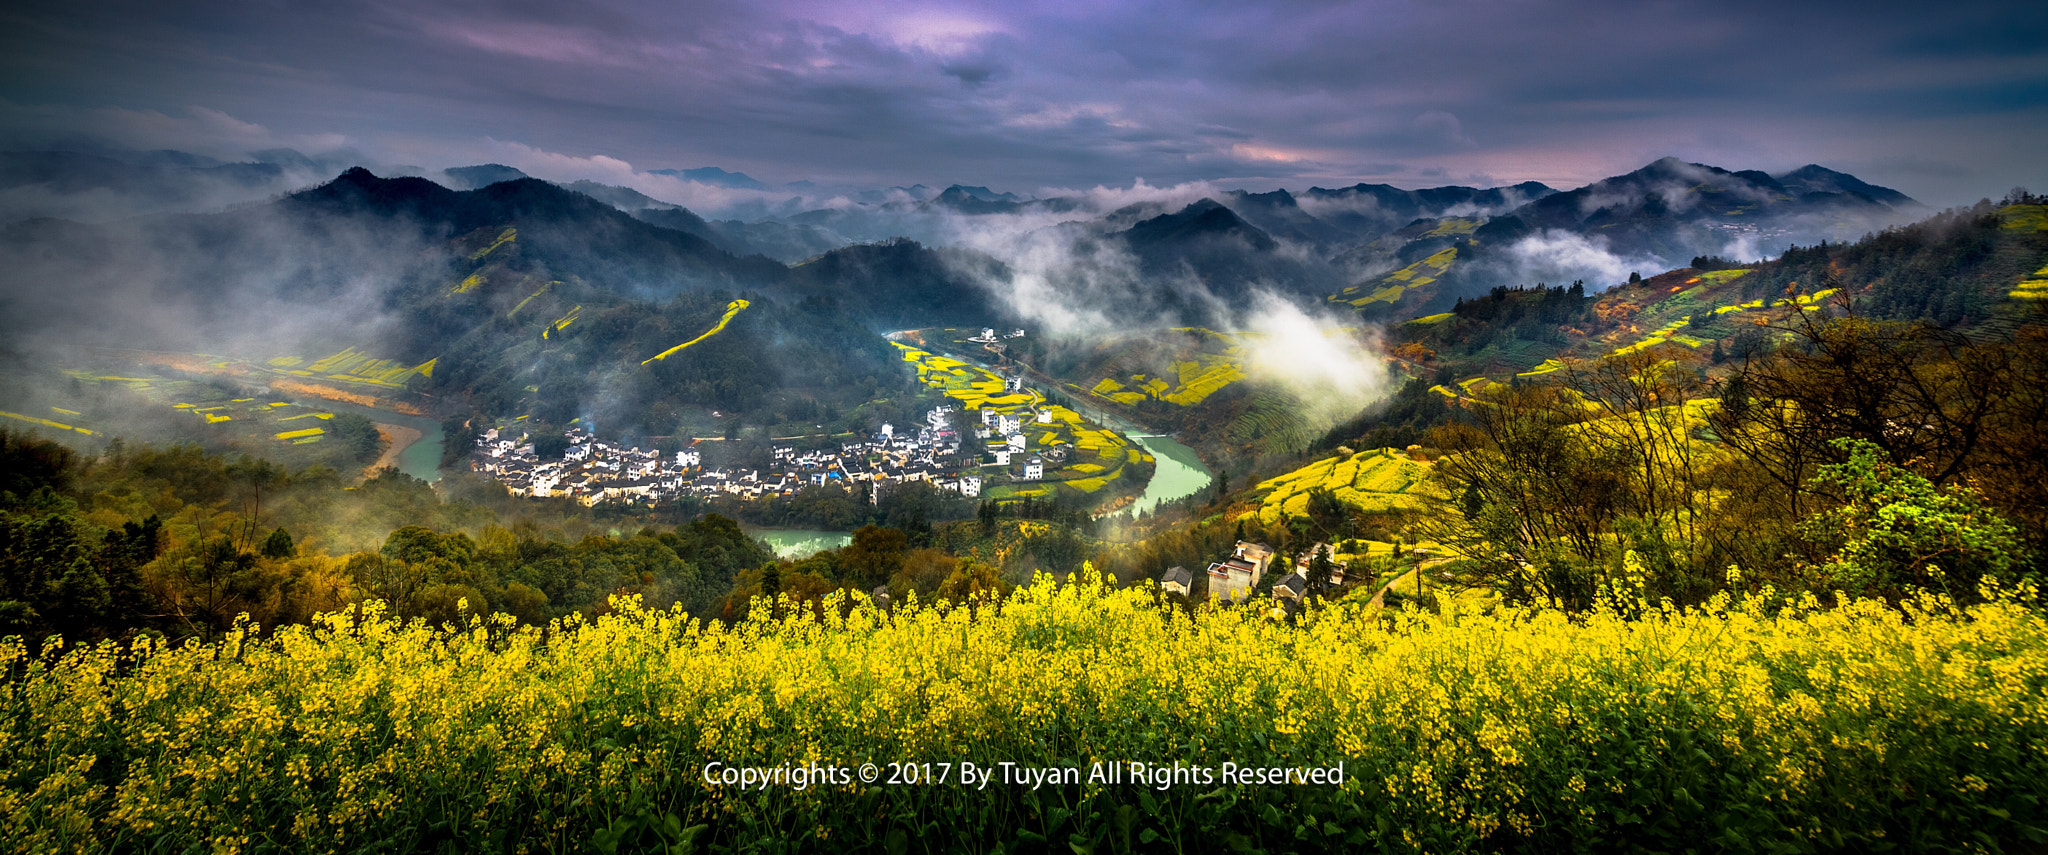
1722	727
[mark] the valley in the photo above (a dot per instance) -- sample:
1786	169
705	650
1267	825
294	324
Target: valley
1261	415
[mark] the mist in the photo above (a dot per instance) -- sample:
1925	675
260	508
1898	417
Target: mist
1559	257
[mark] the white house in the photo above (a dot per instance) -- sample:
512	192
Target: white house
1177	581
1034	469
1235	577
1016	442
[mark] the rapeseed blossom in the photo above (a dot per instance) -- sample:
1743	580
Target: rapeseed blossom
1840	727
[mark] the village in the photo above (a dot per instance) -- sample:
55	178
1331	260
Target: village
594	471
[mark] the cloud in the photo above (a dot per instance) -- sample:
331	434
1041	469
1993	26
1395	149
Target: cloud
1557	257
1437	126
1066	94
1334	369
190	128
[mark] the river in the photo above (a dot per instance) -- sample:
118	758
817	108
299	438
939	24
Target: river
1177	473
420	458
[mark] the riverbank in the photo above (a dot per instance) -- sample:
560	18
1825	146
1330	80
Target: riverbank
397	438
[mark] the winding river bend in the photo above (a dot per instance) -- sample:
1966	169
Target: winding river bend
415	448
1177	473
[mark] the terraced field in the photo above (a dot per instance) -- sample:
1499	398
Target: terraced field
1378	480
353	366
1198	369
1392	286
43	422
2034	287
974	387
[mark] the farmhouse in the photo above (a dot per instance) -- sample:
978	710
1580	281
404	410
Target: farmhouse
1177	581
1234	578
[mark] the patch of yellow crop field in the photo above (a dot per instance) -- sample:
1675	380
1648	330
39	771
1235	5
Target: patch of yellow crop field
1377	480
1088	485
1062	414
2024	218
1443	390
1427	269
44	422
354	366
562	322
1427	320
214	419
300	434
731	309
1087	468
1544	367
66	412
275	404
307	416
974	387
1196	378
2031	289
470	283
1388	294
529	298
1202	377
1452	226
507	236
1476	385
1645	344
1721	276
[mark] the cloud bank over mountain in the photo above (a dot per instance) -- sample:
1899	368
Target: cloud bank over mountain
1939	101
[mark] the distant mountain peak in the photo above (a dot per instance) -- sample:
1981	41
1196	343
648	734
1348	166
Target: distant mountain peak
981	193
715	176
1814	178
481	175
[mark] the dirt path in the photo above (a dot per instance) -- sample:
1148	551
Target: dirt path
396	439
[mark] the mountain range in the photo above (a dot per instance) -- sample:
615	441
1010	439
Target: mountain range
541	296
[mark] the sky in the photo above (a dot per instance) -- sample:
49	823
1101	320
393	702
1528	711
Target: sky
1947	102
